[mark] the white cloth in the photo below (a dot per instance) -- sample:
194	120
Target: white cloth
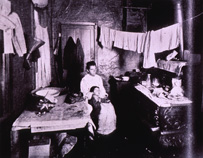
107	119
149	57
5	7
133	41
40	3
13	33
164	39
18	38
43	74
88	81
107	37
7	26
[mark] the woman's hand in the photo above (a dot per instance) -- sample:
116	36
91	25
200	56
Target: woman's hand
88	95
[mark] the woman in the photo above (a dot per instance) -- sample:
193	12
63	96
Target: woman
107	116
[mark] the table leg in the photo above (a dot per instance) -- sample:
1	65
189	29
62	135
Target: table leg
15	144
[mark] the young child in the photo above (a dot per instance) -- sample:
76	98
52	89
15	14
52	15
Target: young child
96	101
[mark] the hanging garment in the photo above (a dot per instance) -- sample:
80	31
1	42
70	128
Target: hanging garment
74	64
43	74
5	7
18	38
7	26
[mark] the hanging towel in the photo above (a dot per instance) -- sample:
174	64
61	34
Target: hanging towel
149	57
132	41
140	42
119	39
129	41
170	37
107	37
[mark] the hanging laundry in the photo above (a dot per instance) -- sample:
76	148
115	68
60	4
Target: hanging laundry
164	39
148	54
132	41
169	37
107	37
140	42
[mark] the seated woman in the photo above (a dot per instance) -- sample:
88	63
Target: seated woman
106	113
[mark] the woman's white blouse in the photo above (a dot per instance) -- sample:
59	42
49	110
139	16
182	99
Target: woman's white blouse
88	81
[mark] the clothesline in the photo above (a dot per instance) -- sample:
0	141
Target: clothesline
193	17
148	43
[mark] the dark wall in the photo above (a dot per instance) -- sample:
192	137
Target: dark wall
20	81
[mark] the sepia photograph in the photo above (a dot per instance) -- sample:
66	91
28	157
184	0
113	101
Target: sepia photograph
101	79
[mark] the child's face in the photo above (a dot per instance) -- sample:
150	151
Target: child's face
92	70
96	91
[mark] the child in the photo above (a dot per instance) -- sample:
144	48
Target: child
96	101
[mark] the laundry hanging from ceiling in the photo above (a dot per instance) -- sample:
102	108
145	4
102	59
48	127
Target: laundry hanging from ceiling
148	43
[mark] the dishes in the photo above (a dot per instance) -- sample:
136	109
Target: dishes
53	91
125	78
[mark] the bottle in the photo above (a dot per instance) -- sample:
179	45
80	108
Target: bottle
148	81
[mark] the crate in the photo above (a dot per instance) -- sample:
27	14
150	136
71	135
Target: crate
39	148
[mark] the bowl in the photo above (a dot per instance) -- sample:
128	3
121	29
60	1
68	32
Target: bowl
125	78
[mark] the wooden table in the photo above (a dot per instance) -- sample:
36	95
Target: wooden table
62	117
